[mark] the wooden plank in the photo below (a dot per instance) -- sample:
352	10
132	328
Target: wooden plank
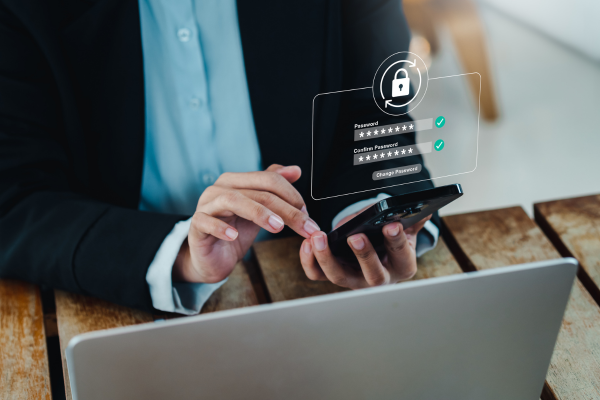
24	372
237	292
573	226
437	262
498	238
78	314
279	263
285	279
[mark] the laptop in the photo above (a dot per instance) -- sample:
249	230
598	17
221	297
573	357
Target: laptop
478	335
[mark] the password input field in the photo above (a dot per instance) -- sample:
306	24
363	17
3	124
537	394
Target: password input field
392	153
393	129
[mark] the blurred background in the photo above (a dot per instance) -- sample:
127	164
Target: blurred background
539	136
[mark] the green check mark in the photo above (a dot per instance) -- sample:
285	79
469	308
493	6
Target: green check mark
440	121
439	145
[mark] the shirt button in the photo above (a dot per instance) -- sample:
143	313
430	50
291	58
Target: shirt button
208	179
195	103
184	34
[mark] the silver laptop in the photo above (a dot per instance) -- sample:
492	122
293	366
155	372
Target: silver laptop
480	335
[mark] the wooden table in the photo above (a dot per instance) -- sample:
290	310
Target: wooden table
474	241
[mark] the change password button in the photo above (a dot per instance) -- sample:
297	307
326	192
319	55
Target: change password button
397	172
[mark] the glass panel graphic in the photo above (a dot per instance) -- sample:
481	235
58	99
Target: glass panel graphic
358	147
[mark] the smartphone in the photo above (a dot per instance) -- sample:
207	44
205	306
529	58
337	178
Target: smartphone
408	209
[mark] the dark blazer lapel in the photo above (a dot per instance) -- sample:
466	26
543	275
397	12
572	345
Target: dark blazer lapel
285	68
104	52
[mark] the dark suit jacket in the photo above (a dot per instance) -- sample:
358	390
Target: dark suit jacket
72	125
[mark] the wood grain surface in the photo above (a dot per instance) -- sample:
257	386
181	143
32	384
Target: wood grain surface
504	237
24	372
285	279
573	226
235	293
437	262
279	262
78	314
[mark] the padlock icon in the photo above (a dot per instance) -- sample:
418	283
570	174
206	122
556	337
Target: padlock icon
400	86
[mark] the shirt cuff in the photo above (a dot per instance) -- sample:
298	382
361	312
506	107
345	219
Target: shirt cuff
177	297
427	237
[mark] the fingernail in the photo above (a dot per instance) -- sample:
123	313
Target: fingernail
320	242
394	231
275	222
231	233
311	227
284	168
306	247
357	242
303	209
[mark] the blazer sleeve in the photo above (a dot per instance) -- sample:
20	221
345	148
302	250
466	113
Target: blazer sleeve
51	232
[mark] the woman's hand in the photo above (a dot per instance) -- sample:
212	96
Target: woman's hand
399	262
230	214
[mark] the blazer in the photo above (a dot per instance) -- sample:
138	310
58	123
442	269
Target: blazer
72	125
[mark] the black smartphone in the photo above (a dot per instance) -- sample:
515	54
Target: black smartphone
408	209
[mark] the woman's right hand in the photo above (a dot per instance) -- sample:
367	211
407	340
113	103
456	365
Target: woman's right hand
230	214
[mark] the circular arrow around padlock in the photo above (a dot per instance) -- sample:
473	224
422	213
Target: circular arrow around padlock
412	64
410	60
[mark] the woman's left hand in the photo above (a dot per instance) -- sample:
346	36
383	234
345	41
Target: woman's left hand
398	264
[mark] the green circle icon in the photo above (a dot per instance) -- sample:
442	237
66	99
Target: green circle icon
440	121
439	145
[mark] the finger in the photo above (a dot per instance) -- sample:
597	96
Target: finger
332	269
204	225
374	272
230	202
204	231
291	172
413	230
296	219
274	167
309	263
401	256
267	181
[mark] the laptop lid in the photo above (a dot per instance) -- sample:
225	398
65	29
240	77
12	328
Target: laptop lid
479	335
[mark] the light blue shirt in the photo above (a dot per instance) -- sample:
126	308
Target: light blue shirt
198	116
198	125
